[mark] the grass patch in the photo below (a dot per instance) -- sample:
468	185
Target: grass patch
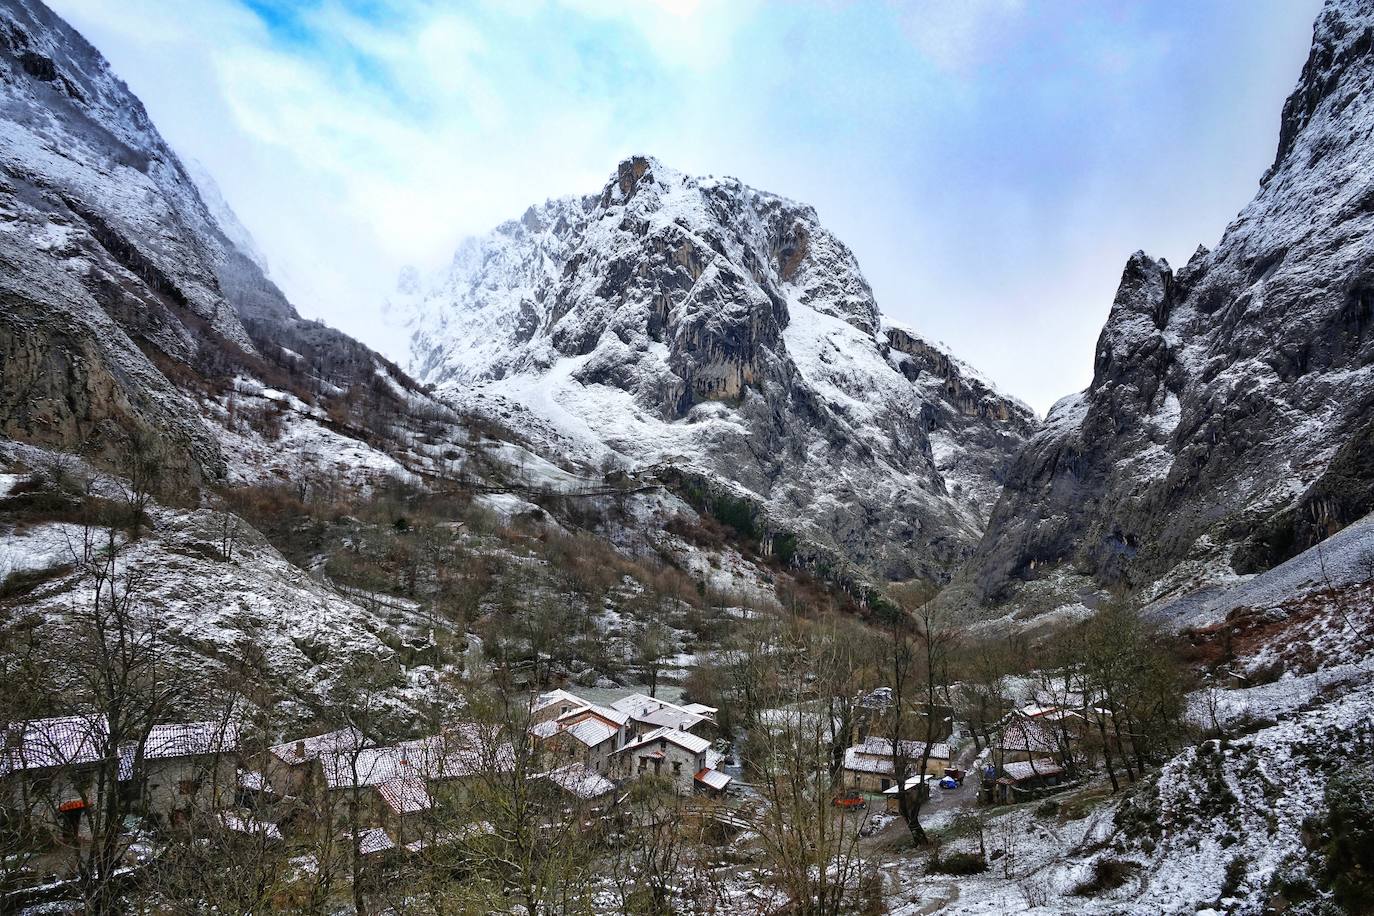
1108	874
959	863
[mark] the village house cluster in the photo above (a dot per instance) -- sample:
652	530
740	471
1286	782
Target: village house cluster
579	757
633	736
1029	752
57	771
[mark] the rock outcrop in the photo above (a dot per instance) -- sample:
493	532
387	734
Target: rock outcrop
700	322
1228	423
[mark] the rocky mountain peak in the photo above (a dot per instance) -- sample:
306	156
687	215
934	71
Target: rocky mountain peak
699	321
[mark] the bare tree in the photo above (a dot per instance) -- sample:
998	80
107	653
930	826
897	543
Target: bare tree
142	467
810	844
920	646
653	646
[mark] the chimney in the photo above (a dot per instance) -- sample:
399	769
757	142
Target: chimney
300	749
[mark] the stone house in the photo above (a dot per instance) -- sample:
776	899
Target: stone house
1019	780
555	703
649	713
667	752
293	769
875	714
54	771
869	765
405	804
1023	738
181	768
588	735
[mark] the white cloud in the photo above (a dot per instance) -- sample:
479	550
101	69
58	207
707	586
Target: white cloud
959	37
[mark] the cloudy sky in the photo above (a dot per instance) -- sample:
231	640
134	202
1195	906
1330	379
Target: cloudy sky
991	162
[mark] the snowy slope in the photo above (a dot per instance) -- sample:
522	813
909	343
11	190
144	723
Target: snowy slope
1247	799
699	322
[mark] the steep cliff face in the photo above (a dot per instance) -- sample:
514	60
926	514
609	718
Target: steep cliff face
701	322
123	304
1228	422
108	260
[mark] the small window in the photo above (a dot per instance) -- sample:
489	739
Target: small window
886	783
677	767
188	786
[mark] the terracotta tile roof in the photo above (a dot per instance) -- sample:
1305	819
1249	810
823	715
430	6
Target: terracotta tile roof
714	779
692	743
55	742
405	794
577	779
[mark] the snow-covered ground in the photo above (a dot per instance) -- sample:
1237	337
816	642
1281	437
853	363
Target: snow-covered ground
1214	804
38	547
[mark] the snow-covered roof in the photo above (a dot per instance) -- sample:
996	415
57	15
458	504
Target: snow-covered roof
877	698
714	779
609	713
591	725
1026	769
254	781
874	754
56	742
303	750
546	729
405	794
374	840
577	779
240	824
912	782
557	697
653	711
686	740
188	739
181	739
1027	735
592	732
368	766
458	751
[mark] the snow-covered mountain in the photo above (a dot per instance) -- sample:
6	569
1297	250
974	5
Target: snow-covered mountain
1230	420
128	306
702	323
135	318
